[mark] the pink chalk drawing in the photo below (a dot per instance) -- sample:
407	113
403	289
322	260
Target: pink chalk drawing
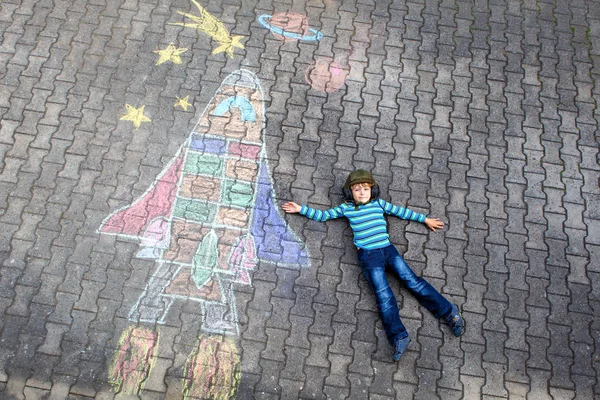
210	216
132	221
155	238
326	75
289	27
132	363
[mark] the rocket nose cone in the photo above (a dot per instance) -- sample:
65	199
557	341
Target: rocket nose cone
242	77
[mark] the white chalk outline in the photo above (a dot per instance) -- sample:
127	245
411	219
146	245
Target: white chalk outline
234	79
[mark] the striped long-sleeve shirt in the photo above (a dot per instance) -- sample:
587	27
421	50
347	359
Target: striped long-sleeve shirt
367	222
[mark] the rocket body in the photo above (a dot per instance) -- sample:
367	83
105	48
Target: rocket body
210	215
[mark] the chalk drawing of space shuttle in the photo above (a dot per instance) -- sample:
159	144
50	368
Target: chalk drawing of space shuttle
211	215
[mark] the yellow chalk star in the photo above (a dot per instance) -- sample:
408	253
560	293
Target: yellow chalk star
171	53
135	115
183	103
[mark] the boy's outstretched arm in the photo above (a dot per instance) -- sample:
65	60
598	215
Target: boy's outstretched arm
317	215
407	214
291	208
434	223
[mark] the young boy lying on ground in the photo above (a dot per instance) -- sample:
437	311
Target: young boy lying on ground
364	209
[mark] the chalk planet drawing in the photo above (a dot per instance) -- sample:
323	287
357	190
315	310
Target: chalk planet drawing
326	75
289	27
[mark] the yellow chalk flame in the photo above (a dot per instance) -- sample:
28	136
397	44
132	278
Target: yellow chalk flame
133	361
213	369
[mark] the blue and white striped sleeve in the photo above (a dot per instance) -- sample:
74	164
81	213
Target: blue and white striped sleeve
322	216
401	212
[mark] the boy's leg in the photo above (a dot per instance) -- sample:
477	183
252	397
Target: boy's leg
426	294
372	263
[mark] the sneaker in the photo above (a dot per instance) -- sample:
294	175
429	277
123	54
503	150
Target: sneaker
400	347
455	321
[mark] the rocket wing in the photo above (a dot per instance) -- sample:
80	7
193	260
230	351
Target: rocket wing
132	221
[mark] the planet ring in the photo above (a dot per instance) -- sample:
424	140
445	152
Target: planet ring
263	20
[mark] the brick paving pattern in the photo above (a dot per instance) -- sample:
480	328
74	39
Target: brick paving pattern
483	113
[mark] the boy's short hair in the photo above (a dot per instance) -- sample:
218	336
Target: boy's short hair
369	184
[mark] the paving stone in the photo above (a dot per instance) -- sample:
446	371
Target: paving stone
290	388
427	379
314	387
482	114
276	338
365	326
583	384
342	339
472	385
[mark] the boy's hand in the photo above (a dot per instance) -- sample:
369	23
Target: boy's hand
291	208
434	223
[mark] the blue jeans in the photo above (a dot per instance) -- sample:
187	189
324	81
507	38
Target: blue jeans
373	264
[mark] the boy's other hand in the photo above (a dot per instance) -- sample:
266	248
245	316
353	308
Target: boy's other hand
434	223
291	208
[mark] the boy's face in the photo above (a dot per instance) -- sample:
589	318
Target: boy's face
361	193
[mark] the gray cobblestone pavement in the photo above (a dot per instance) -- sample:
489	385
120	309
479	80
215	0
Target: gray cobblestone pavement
483	113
